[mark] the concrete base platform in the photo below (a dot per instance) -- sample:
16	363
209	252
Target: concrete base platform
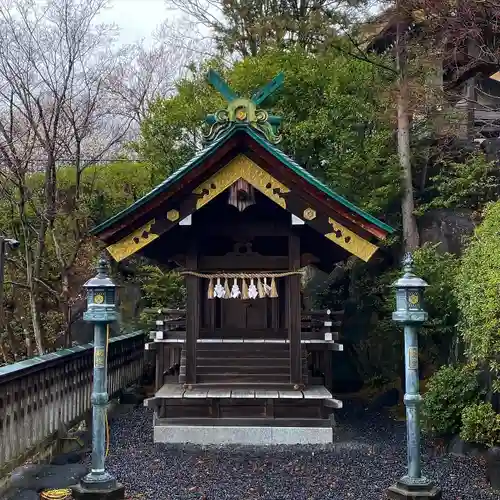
402	491
239	435
81	493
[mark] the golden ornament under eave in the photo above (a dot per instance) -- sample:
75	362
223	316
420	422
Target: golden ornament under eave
173	215
309	214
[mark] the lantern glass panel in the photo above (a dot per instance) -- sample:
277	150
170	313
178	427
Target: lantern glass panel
414	299
401	300
110	296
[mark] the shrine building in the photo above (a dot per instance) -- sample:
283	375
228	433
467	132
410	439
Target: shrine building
244	363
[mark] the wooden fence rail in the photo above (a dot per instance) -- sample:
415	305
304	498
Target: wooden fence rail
42	395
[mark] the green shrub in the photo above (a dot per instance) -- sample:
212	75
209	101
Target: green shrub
481	425
449	391
440	270
477	292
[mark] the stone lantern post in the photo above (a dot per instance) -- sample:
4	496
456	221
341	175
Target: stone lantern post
101	310
410	313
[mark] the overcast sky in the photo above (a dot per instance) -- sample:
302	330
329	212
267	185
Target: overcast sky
136	18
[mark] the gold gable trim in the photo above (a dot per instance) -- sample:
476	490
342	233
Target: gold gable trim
350	241
244	168
133	242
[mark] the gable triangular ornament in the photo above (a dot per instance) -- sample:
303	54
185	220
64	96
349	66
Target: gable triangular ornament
241	110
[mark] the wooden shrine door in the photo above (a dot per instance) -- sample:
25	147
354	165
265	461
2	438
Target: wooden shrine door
244	315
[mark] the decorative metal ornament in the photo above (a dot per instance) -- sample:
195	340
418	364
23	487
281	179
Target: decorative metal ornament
99	298
241	195
173	215
241	114
309	214
241	110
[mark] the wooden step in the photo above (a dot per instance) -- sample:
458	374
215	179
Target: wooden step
243	370
231	378
242	346
243	353
242	361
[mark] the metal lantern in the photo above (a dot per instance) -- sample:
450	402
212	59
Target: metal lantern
409	295
101	310
101	296
410	312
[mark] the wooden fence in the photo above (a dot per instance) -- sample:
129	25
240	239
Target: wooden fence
45	394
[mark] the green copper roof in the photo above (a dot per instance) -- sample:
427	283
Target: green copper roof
277	153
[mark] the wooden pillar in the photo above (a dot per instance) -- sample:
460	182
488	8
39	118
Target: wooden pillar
293	309
192	315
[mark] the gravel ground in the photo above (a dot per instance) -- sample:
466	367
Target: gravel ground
368	455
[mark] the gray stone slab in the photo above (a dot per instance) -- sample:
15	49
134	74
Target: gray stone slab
290	395
266	394
219	393
242	394
257	436
302	435
316	392
333	403
196	393
170	391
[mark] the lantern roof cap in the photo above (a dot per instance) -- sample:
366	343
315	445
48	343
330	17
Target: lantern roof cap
101	280
409	279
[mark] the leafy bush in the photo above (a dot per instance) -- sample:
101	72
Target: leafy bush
481	425
478	292
440	271
160	289
464	184
449	391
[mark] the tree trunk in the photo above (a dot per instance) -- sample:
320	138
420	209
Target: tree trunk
3	353
13	343
37	324
29	344
411	238
66	308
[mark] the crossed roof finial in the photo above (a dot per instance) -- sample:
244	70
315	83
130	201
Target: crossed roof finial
244	111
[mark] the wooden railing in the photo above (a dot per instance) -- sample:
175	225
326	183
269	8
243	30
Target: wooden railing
171	324
321	328
45	394
321	325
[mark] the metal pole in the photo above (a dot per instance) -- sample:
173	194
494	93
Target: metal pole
412	400
98	478
99	400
